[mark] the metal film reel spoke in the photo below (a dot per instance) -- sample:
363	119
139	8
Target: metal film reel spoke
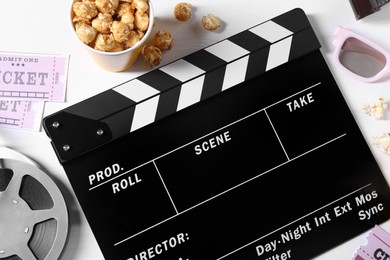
39	216
12	191
25	252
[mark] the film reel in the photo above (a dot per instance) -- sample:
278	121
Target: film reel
33	213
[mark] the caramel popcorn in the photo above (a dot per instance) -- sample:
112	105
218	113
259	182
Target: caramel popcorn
183	11
163	40
124	8
78	19
134	38
106	42
152	55
111	25
85	9
141	5
107	6
141	21
129	20
86	33
102	23
120	31
211	22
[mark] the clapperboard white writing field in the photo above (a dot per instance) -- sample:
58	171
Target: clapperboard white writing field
245	149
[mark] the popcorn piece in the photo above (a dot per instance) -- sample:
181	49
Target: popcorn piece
183	11
141	5
102	23
85	32
78	19
85	9
376	110
106	42
211	22
382	142
163	40
124	8
141	21
134	38
129	20
107	6
120	31
152	55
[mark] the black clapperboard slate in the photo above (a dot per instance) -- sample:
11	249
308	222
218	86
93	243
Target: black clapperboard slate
245	149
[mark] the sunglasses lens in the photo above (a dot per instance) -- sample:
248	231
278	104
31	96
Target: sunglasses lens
360	58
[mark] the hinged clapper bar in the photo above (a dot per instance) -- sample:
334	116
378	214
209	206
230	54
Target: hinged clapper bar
161	92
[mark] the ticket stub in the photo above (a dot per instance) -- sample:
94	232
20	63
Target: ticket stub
22	114
377	247
33	77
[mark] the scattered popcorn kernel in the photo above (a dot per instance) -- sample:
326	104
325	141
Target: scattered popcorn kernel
163	40
102	23
107	6
183	11
141	5
85	32
382	142
152	55
85	9
134	38
211	22
376	110
105	42
141	21
120	31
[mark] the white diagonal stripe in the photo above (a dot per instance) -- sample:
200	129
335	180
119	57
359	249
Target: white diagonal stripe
144	113
182	70
271	31
190	93
227	50
136	90
279	53
235	72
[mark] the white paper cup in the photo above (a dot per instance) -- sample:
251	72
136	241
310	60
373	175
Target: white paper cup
120	60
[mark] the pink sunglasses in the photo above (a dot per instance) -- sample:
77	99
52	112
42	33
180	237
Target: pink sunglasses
359	57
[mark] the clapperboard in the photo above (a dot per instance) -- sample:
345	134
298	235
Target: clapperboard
245	149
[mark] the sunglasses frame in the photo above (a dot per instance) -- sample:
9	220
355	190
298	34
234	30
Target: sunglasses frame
341	35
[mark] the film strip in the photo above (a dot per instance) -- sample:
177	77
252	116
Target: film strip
33	212
166	90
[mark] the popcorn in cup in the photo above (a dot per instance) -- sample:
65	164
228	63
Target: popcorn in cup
112	31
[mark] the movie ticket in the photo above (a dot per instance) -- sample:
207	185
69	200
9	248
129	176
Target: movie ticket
22	114
377	247
26	82
33	77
